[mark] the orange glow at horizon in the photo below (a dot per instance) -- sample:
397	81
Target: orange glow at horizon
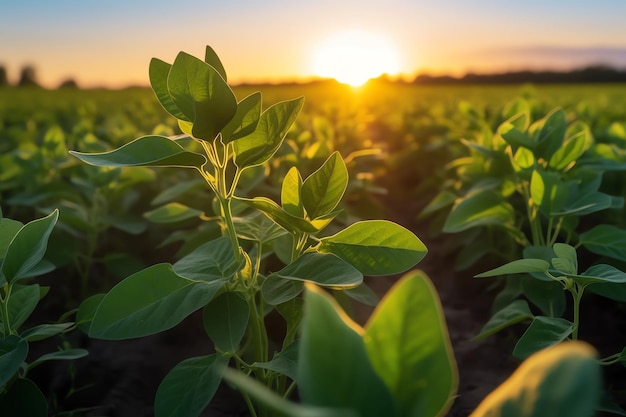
354	57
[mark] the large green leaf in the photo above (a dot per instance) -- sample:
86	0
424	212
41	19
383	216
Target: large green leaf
245	120
607	240
543	332
189	387
13	352
157	151
513	313
291	193
27	248
22	303
334	369
8	230
548	191
284	362
203	96
259	146
376	247
281	217
564	380
324	269
408	344
578	141
479	209
211	58
225	321
150	301
518	266
158	73
23	399
323	189
277	290
600	273
211	261
549	133
258	227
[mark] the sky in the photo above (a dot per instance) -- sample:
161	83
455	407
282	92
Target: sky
110	43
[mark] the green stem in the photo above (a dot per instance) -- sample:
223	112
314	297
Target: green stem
531	212
5	310
577	293
259	336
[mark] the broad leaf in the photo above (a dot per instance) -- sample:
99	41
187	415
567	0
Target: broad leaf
259	146
245	120
225	321
258	227
323	189
291	193
548	191
211	261
22	303
8	229
513	313
280	216
572	149
149	302
607	240
189	387
13	351
211	58
61	355
567	260
277	290
23	399
284	362
479	209
376	247
157	151
203	96
542	333
86	311
324	269
158	73
519	266
334	369
44	331
564	380
600	273
172	213
549	133
408	344
27	248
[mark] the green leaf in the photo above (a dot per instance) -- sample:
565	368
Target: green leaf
408	344
22	303
362	294
181	187
542	333
518	266
189	387
211	261
514	136
567	260
27	247
322	268
600	273
149	302
259	146
573	148
172	213
245	120
277	290
211	58
225	321
158	73
23	399
322	190
280	216
549	133
376	247
61	355
44	331
482	208
203	96
86	311
284	362
548	191
258	227
333	366
291	193
156	151
13	351
607	240
280	406
8	230
564	380
513	313
442	200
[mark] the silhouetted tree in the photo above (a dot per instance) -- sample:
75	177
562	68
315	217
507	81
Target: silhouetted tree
69	83
4	79
28	77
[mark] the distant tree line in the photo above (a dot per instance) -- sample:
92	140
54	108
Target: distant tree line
28	78
592	74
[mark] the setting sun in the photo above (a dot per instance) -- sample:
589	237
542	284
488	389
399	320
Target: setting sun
355	57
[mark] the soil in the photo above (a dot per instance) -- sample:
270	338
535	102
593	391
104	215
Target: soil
120	378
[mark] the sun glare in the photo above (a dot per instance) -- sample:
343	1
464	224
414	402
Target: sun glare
355	57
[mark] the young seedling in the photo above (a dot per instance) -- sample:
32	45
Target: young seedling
230	277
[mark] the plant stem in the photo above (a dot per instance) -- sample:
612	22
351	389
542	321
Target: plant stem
5	310
577	293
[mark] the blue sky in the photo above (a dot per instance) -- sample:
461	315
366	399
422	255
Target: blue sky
110	43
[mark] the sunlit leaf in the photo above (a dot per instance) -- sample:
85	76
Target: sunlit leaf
323	189
324	269
479	209
158	73
518	266
245	120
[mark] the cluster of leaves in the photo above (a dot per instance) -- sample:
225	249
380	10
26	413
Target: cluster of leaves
532	185
22	249
231	276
